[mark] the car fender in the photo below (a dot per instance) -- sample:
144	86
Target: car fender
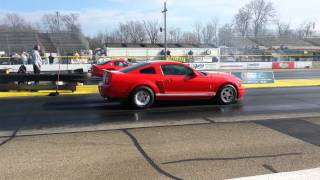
149	84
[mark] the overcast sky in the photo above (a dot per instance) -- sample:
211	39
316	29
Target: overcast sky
99	15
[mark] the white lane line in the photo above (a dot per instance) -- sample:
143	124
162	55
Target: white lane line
309	174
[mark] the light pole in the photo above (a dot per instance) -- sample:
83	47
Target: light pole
58	21
165	28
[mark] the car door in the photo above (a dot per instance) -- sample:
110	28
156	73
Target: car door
181	80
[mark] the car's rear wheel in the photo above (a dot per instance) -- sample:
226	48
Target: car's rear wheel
142	97
227	94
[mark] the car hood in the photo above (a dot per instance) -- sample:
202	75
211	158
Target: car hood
223	75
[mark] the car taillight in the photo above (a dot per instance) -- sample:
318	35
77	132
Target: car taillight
107	77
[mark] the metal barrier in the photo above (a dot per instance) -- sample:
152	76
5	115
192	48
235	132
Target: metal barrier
18	82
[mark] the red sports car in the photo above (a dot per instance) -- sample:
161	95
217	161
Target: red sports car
115	64
144	83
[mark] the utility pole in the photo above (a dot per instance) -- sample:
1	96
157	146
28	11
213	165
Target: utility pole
165	29
58	21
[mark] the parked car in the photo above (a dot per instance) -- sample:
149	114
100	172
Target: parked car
144	83
115	64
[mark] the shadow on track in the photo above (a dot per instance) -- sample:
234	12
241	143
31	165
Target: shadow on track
300	129
100	105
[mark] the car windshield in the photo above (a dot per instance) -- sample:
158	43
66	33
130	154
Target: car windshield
131	68
103	61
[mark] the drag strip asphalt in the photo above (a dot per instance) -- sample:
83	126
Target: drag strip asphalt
75	112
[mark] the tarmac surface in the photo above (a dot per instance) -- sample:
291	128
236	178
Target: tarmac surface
82	137
84	110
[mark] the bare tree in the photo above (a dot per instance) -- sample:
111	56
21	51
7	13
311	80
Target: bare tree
283	29
123	33
306	29
175	35
189	37
152	29
135	31
197	30
210	32
15	22
71	22
225	35
242	21
262	13
52	22
58	22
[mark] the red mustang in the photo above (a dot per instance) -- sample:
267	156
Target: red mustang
144	83
115	64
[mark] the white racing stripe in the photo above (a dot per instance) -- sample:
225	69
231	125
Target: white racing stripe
187	94
309	174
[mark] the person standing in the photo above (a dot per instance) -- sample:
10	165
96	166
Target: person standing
24	58
51	59
36	60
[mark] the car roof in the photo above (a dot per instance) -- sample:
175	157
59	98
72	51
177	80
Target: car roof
162	62
118	60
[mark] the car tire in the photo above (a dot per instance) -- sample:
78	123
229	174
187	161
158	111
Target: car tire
227	94
142	97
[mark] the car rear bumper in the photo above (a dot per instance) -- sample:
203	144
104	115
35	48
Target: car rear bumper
105	90
241	93
110	93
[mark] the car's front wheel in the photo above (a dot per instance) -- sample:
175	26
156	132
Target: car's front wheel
227	94
142	97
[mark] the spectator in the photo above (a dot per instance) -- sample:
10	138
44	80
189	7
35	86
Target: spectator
162	53
36	61
51	59
24	58
76	58
15	58
169	53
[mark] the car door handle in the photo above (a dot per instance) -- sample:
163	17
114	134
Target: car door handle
168	80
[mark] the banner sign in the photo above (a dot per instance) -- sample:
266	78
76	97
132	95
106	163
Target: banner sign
283	65
255	77
234	65
204	66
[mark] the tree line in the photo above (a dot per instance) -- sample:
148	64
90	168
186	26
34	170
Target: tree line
255	19
258	18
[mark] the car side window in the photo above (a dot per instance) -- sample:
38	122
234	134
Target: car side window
119	63
174	69
149	70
